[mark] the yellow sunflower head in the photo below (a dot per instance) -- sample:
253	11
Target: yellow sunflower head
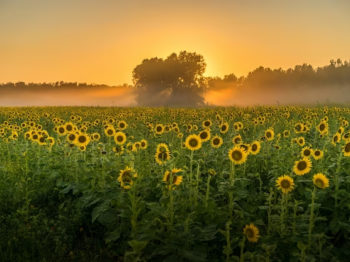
162	157
306	152
216	141
159	129
302	167
336	138
346	149
193	142
204	135
237	155
120	138
126	177
237	139
301	141
255	147
206	123
122	125
251	232
82	139
269	134
171	178
317	154
320	180
224	128
109	131
144	143
285	184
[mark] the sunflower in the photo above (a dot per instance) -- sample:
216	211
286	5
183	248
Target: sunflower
206	123
126	177
346	149
193	142
216	141
285	184
224	128
237	155
237	139
269	134
50	140
320	180
144	144
162	147
35	136
298	128
41	141
317	154
159	129
341	130
251	232
82	140
122	125
306	152
162	154
336	138
71	138
346	136
120	138
302	167
27	134
204	135
300	140
61	130
118	150
286	133
176	180
96	136
322	127
255	147
69	127
245	147
109	131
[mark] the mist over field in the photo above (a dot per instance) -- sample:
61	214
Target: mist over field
178	81
67	96
221	95
225	95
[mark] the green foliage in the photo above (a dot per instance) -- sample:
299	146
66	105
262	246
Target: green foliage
59	203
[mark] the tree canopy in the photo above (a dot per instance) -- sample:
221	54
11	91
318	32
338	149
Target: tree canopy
175	81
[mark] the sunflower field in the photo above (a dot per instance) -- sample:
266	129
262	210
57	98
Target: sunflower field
173	184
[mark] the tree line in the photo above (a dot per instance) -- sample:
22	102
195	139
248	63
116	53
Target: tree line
179	80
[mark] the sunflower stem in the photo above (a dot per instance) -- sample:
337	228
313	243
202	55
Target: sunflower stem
295	209
242	244
191	174
269	211
171	200
197	185
208	191
336	180
283	212
311	220
230	193
227	250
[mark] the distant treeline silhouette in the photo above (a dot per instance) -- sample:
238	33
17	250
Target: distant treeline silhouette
58	84
335	74
179	80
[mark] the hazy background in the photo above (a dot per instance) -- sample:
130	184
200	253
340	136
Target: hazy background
102	41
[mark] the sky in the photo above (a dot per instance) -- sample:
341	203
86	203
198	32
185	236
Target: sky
101	41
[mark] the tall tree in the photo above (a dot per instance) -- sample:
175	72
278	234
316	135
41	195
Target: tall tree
176	81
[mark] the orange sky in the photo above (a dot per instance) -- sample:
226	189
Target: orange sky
102	41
